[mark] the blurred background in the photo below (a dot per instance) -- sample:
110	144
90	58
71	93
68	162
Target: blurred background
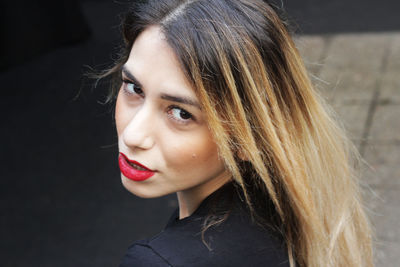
61	200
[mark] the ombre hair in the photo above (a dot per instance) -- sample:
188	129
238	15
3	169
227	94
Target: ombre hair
276	135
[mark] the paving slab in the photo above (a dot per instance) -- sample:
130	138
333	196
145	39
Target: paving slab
353	118
359	76
386	123
355	52
382	205
312	48
390	84
353	64
384	165
387	254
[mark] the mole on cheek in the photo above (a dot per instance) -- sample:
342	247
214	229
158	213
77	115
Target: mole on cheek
194	156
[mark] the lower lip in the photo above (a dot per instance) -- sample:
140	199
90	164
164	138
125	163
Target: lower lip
131	173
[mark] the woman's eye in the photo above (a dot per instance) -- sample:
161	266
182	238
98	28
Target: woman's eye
180	115
132	88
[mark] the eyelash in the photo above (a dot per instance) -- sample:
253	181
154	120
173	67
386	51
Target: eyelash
125	88
181	121
169	109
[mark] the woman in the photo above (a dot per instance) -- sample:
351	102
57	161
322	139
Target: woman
215	104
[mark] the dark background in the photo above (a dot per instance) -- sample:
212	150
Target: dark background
61	200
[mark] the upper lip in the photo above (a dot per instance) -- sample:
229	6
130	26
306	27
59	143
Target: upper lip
135	162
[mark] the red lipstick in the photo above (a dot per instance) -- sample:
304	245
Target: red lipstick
133	170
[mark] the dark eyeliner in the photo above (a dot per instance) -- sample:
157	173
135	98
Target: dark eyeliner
182	109
126	82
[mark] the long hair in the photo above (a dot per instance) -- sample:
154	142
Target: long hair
262	109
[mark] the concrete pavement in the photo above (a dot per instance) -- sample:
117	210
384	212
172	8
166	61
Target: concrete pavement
359	76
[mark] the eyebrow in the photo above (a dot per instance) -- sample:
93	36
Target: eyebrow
178	99
130	76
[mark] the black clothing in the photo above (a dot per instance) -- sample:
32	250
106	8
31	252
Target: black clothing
237	241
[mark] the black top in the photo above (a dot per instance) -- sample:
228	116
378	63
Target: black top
237	241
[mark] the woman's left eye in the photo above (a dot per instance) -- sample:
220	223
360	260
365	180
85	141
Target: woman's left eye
180	115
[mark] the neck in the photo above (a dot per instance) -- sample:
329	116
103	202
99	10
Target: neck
189	200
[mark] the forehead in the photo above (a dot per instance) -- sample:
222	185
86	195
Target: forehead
150	44
153	62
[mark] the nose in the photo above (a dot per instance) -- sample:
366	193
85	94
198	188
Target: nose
138	133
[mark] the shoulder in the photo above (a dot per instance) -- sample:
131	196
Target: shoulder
235	242
240	241
141	254
224	248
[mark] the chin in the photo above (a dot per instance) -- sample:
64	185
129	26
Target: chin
141	189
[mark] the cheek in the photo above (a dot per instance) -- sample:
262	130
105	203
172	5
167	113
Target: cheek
192	152
120	120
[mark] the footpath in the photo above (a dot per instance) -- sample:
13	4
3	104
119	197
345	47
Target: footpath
359	75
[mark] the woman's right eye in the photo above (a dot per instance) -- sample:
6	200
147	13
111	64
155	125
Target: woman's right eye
131	88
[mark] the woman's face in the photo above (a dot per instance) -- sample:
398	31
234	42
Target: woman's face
160	125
